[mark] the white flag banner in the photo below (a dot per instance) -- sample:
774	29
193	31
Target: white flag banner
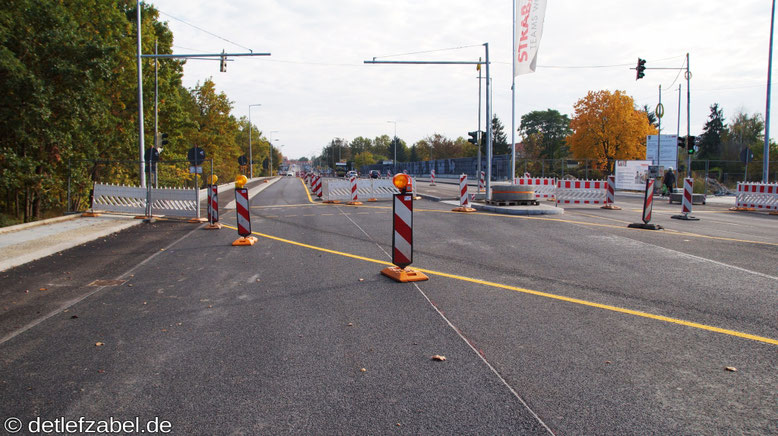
529	30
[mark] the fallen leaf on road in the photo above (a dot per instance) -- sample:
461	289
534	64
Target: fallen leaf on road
99	344
350	325
731	369
130	284
608	362
363	370
164	330
438	358
361	280
43	289
100	371
74	317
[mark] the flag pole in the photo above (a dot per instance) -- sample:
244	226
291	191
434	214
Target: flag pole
513	101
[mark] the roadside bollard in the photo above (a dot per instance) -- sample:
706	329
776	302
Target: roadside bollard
482	182
648	205
686	203
610	197
432	177
243	213
354	196
464	202
402	235
213	205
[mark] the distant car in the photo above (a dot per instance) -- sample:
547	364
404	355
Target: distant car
351	173
374	174
289	173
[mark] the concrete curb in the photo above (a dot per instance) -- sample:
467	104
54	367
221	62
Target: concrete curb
17	227
513	210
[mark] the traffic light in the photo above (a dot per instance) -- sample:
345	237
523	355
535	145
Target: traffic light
473	137
161	141
681	142
691	146
640	68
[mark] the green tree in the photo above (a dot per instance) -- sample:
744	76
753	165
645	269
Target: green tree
650	115
743	131
712	133
499	139
551	128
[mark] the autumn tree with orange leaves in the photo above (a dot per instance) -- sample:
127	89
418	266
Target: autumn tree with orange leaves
607	127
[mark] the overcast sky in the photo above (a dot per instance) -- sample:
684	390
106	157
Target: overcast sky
315	86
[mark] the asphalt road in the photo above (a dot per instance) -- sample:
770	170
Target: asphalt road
574	324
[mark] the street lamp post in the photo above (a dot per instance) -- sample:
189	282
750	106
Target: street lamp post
251	155
394	140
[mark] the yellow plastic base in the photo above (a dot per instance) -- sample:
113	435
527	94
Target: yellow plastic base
463	209
743	209
198	220
611	207
90	214
250	240
214	226
372	199
773	213
417	197
331	201
354	203
403	275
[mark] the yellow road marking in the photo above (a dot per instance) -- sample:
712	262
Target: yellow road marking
538	293
306	191
281	206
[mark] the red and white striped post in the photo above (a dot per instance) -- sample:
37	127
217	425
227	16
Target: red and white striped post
213	208
464	201
432	177
648	205
354	196
610	197
402	235
317	186
482	182
244	217
686	202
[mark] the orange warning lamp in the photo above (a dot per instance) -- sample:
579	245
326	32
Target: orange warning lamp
240	181
214	178
401	181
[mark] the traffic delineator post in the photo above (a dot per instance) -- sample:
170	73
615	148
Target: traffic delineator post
213	207
648	205
432	177
354	196
372	190
402	235
610	197
243	215
464	201
686	202
482	182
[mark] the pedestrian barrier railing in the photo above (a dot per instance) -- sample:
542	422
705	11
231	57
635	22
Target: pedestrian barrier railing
340	189
759	196
545	187
132	199
581	192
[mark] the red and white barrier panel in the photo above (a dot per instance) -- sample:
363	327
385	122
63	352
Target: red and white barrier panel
545	187
402	236
354	195
482	182
412	188
757	196
464	201
581	192
213	208
648	206
244	217
432	178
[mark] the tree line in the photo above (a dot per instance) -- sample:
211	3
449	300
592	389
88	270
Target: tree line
70	105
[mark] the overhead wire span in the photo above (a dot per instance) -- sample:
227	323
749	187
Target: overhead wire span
203	30
427	51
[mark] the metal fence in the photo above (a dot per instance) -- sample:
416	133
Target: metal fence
83	174
711	176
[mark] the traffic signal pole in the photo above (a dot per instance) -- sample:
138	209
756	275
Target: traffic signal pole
688	118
